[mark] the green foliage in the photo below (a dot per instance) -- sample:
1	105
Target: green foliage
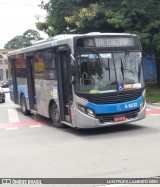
152	93
55	21
81	16
16	43
32	35
141	17
24	40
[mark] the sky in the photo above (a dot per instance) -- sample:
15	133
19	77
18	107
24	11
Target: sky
17	16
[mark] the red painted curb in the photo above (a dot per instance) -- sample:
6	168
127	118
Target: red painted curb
153	112
23	123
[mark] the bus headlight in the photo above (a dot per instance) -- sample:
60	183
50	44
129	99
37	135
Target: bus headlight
82	108
86	110
90	112
144	93
142	104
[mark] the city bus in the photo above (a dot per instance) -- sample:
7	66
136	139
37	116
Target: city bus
80	80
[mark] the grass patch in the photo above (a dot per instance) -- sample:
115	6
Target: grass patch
152	93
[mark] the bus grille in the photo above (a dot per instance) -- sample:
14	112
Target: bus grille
110	117
113	98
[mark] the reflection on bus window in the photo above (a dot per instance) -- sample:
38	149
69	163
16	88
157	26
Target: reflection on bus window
104	71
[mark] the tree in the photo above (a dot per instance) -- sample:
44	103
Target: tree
81	16
90	19
24	40
55	22
15	43
32	35
133	16
142	18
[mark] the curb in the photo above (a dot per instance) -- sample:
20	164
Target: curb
153	105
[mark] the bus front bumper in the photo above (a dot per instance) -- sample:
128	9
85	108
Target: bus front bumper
85	121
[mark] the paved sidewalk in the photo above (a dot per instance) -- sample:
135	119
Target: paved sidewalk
153	105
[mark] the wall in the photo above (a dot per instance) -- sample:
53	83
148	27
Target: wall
149	67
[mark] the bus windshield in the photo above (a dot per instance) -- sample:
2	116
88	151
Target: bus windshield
100	72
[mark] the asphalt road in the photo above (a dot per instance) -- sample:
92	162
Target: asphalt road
31	149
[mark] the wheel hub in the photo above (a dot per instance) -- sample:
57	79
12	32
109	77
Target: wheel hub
56	115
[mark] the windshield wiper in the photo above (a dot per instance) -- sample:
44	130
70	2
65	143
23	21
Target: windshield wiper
109	70
122	69
122	66
103	63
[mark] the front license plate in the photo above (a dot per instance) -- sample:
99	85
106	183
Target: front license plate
119	118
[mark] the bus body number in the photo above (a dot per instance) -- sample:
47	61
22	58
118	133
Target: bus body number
131	105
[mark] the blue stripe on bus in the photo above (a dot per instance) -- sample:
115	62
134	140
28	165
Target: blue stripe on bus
115	108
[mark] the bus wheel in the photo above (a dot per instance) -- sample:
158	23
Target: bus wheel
24	106
55	116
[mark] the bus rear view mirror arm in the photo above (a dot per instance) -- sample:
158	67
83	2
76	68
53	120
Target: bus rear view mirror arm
72	57
73	81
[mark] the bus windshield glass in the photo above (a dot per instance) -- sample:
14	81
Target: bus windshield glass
100	72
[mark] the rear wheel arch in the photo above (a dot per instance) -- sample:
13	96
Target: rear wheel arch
50	105
54	114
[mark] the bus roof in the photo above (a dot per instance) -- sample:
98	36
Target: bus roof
56	40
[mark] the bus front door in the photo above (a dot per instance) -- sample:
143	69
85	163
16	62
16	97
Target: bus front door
64	87
31	83
14	94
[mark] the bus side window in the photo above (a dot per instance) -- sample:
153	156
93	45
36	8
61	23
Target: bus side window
50	65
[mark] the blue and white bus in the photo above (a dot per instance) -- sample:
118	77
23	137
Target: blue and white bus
81	80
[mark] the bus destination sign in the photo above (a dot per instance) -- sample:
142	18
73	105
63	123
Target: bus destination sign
114	42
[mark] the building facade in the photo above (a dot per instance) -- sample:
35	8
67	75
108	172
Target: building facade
4	65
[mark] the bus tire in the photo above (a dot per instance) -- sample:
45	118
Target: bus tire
24	106
55	116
